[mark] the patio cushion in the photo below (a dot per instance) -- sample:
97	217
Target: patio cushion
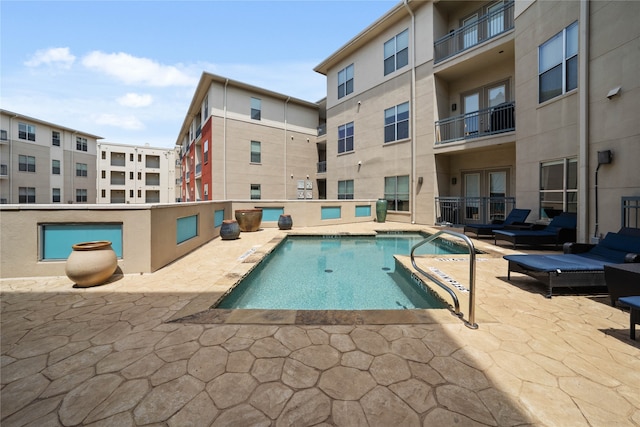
563	262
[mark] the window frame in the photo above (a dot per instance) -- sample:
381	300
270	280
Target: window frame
346	78
81	195
26	163
82	143
566	69
28	197
391	52
256	108
394	201
81	170
55	138
568	189
56	195
27	132
255	192
55	169
345	138
258	154
346	189
396	122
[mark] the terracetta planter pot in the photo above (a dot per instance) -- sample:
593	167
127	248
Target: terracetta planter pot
249	219
91	263
230	230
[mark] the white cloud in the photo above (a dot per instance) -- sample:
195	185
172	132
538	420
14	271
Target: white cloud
57	56
132	70
135	100
124	122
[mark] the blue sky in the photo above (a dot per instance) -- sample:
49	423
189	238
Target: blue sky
127	70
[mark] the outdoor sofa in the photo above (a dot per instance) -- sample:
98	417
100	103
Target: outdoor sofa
561	229
515	217
581	264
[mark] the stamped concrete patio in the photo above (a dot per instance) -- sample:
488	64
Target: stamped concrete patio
144	350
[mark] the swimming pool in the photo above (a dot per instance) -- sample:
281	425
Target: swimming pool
337	273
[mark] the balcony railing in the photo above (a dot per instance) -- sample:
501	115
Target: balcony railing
322	129
488	121
485	28
198	169
322	167
472	210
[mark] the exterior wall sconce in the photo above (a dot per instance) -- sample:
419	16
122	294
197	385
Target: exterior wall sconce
613	92
420	180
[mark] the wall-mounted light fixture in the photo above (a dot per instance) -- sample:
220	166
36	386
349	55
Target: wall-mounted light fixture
420	180
613	92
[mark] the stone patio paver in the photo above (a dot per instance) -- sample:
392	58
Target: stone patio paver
119	354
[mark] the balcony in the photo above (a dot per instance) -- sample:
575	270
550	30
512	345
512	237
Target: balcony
198	169
472	210
488	121
322	167
485	28
152	179
117	178
322	129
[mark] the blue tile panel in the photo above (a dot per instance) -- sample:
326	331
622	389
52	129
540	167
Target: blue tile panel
186	228
330	212
57	239
363	210
271	214
218	217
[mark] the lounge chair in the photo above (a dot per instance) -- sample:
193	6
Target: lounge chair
561	229
515	217
581	264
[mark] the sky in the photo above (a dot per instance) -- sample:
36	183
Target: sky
127	70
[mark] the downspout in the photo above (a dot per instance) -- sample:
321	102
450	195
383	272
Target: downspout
583	120
224	141
285	146
413	115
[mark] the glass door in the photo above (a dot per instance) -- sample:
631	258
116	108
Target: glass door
471	107
472	195
497	193
470	31
495	21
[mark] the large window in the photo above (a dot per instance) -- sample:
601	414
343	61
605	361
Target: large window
27	132
345	81
81	195
81	143
81	169
26	194
256	152
558	64
55	138
256	109
26	163
396	192
558	187
55	195
396	52
345	189
396	123
255	192
55	167
206	151
345	138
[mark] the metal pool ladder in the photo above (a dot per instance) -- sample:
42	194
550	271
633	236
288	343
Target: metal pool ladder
471	323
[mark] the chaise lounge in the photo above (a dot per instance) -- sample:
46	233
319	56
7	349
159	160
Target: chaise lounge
515	217
561	229
581	264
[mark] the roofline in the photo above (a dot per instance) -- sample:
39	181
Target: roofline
382	23
147	147
203	86
53	125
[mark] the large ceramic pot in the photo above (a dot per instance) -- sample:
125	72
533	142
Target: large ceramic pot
249	219
285	222
381	210
91	263
230	229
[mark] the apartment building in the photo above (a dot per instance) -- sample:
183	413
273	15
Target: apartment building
42	162
136	174
455	111
243	142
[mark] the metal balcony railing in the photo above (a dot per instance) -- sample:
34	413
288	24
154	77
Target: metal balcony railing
322	167
322	129
472	210
485	28
488	121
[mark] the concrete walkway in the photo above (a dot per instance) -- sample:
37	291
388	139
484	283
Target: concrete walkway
144	350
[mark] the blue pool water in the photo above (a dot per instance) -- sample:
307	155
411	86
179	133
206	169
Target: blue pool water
339	273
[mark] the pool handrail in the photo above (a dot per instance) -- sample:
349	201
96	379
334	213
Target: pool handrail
472	275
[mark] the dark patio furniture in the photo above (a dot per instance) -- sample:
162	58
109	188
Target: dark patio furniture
623	280
515	217
561	229
633	303
581	265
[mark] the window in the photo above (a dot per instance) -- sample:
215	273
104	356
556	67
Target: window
55	195
396	123
206	151
558	64
139	157
396	192
139	194
345	81
255	191
558	187
104	155
81	195
81	169
26	194
256	108
103	193
396	52
205	108
55	167
139	176
27	132
256	152
131	175
104	174
345	189
131	194
26	163
55	138
81	143
345	138
131	157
